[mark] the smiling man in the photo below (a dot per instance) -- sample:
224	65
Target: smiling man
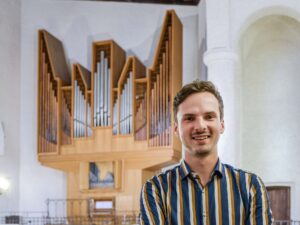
201	189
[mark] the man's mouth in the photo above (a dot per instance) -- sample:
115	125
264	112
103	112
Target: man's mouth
200	137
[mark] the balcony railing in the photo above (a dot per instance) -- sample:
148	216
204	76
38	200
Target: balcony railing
286	222
116	219
111	220
81	212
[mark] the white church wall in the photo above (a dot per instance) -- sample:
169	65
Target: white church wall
244	13
10	99
227	21
135	27
270	94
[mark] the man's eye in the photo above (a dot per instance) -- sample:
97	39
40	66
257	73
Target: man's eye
209	117
189	118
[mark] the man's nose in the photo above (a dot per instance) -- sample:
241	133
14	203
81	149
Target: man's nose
200	124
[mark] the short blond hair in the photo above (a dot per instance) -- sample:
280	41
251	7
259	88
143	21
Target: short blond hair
197	86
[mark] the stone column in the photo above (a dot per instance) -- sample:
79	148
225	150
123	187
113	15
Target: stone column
222	64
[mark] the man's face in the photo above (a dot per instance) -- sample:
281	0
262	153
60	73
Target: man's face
198	124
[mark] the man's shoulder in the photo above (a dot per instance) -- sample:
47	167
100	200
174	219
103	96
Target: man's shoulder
173	170
239	171
244	177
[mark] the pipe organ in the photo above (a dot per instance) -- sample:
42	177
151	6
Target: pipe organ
118	114
160	103
53	74
81	86
133	71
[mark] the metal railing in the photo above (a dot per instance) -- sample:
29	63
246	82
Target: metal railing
116	219
286	222
81	212
107	220
67	207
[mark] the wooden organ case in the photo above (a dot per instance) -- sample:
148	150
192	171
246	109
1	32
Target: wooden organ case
111	128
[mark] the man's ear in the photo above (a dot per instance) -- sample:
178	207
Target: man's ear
176	129
222	126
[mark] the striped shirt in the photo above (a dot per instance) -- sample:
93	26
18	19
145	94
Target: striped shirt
231	197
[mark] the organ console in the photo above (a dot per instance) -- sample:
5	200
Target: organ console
119	112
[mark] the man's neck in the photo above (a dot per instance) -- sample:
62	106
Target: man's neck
202	165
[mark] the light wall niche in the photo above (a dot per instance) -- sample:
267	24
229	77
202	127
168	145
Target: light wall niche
270	52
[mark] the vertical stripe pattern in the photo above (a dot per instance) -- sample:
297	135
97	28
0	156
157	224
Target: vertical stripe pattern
231	197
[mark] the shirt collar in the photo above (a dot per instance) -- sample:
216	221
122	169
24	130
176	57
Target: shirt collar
185	169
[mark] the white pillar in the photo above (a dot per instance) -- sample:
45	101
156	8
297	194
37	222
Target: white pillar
2	139
222	69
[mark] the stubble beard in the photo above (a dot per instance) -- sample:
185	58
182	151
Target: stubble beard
196	152
200	153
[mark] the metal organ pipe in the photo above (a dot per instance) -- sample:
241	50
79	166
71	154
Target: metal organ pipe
102	92
101	99
80	112
115	117
126	106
